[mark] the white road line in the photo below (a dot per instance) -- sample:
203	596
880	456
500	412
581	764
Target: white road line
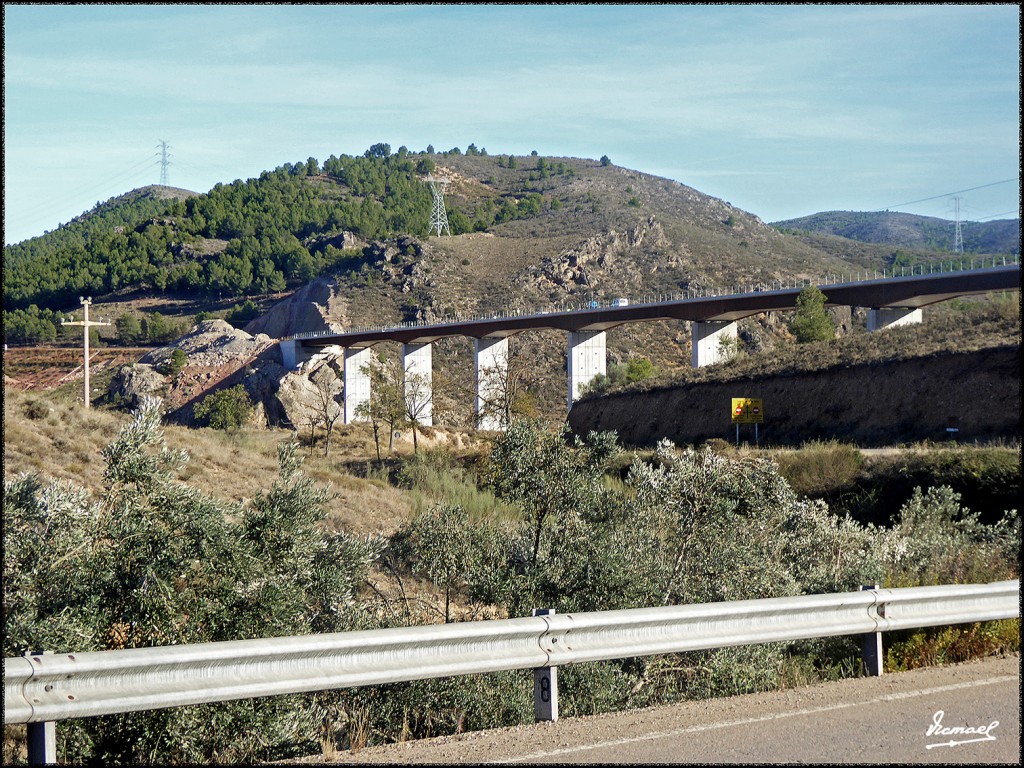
751	720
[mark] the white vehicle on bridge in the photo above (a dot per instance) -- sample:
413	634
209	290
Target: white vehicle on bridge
620	302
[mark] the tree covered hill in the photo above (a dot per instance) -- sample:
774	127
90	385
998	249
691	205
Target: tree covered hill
240	238
905	230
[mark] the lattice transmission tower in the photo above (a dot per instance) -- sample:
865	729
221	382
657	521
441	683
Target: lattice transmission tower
438	218
958	235
165	160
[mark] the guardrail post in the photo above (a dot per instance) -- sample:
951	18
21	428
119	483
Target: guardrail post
545	685
872	658
42	743
42	738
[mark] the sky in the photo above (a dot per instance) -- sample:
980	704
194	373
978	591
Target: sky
780	110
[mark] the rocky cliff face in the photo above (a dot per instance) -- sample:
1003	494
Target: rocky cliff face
612	253
219	356
976	393
318	306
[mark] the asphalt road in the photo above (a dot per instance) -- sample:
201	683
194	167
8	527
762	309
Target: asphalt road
867	720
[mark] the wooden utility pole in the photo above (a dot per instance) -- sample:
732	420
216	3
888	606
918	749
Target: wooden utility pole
86	324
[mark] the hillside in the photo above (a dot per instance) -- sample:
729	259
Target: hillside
347	241
277	231
906	231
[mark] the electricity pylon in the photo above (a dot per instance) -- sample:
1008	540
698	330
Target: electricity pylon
438	218
164	161
958	235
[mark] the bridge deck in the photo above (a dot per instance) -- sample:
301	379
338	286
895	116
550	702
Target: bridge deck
912	292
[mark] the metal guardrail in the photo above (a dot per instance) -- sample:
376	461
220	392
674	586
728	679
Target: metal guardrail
47	687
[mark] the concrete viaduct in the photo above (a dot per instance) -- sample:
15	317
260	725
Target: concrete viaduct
890	301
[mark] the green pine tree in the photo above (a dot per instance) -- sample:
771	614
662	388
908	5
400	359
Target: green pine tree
811	322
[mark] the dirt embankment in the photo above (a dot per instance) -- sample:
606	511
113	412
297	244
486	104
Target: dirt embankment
887	403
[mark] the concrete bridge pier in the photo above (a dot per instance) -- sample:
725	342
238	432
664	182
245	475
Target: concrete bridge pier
417	364
491	357
293	354
887	317
707	337
290	352
357	383
587	359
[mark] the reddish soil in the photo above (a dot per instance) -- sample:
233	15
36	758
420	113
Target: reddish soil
41	368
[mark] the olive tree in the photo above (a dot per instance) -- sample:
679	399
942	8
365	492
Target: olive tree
576	546
152	561
735	529
442	548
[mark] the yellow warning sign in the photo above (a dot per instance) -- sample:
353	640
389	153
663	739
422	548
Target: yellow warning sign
747	410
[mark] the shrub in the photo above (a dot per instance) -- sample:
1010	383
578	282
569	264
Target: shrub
155	562
243	314
619	374
227	409
157	329
37	409
639	369
173	365
931	646
129	329
938	541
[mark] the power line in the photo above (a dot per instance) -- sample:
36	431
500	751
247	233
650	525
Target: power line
997	215
947	194
53	207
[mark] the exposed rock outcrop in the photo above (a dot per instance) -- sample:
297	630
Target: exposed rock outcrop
293	398
135	381
603	252
217	356
319	306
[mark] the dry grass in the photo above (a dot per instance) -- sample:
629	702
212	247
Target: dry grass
56	438
819	467
52	435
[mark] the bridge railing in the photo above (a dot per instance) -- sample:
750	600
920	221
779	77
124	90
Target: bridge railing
952	266
42	688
